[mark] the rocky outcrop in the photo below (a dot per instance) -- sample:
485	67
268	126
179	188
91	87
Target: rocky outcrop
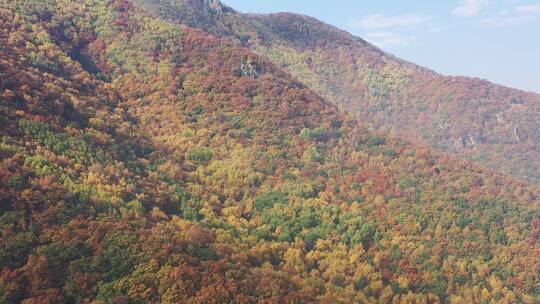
214	5
250	69
515	133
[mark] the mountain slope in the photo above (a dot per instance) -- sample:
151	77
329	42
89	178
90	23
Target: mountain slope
147	162
490	124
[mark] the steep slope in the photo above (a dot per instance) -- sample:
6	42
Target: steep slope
490	124
146	162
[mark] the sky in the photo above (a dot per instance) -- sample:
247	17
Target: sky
497	40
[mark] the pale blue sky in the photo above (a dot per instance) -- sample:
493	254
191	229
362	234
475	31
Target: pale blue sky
498	40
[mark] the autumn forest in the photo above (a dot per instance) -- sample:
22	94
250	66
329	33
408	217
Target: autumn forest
150	157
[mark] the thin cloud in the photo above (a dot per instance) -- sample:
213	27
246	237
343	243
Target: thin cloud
387	39
528	9
469	8
381	22
507	20
520	15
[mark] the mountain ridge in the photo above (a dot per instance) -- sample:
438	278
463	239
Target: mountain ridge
470	117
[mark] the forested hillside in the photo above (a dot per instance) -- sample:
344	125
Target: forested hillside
143	161
490	124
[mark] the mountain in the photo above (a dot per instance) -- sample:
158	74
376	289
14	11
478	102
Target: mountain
144	161
490	124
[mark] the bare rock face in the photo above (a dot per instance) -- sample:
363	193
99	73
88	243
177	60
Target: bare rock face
215	5
250	69
515	134
209	6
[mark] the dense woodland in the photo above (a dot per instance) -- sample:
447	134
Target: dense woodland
143	161
489	124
